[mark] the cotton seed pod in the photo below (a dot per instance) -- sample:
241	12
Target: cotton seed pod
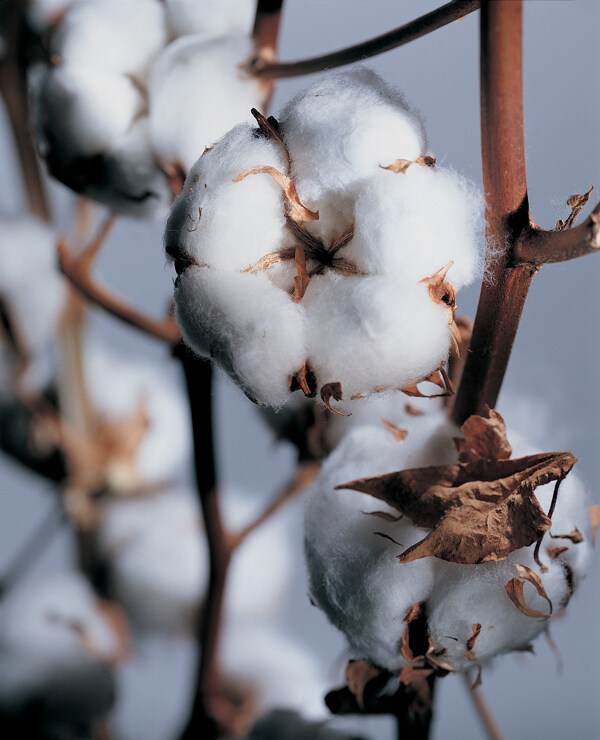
470	605
361	317
209	18
58	649
196	93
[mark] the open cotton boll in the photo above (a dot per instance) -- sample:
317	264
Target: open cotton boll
121	36
225	224
373	332
197	93
57	651
166	444
347	562
344	128
413	223
250	327
210	18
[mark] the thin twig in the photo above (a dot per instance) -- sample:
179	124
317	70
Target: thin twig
304	475
402	35
483	711
166	330
266	27
13	89
507	209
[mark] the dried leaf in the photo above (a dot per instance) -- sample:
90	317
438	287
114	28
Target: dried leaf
399	165
399	434
484	438
575	536
295	208
470	644
554	552
358	675
413	410
301	280
329	391
595	521
514	589
478	511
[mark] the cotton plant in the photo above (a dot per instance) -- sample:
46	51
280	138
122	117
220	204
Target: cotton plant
338	273
59	647
118	121
435	551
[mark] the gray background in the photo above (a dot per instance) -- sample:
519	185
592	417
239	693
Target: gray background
551	387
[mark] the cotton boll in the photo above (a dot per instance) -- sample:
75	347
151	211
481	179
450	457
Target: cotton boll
197	93
57	650
344	127
210	18
225	224
373	332
250	327
412	224
166	443
102	33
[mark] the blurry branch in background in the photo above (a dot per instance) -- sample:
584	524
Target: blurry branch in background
516	247
13	88
421	26
482	709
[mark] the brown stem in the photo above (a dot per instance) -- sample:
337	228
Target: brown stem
198	376
397	37
266	27
483	711
507	210
538	246
13	88
166	329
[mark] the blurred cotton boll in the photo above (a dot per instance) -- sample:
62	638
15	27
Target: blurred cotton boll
353	540
210	18
32	298
196	93
58	649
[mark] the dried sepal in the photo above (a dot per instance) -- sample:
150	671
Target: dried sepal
438	377
554	552
401	165
575	536
304	380
360	676
470	644
413	410
399	434
302	279
514	589
484	438
478	512
440	290
294	206
269	128
329	391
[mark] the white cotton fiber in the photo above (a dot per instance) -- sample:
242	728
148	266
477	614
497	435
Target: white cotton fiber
245	323
210	18
41	14
357	581
414	223
372	332
226	224
120	36
57	651
196	94
340	130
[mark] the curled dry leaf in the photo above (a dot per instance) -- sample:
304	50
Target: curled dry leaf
359	674
514	589
413	410
295	208
484	438
304	380
470	644
329	391
401	165
554	552
399	434
438	377
440	290
479	511
302	279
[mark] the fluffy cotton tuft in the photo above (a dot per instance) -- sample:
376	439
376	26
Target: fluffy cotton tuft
365	592
370	314
57	651
210	18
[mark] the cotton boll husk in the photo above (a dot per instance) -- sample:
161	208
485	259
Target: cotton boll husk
239	222
57	649
120	36
354	574
210	18
373	332
412	224
197	93
280	671
167	442
250	327
343	128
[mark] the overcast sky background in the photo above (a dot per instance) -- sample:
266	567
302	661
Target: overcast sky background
551	390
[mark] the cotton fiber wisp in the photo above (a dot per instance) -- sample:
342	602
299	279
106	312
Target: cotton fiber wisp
322	252
391	558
